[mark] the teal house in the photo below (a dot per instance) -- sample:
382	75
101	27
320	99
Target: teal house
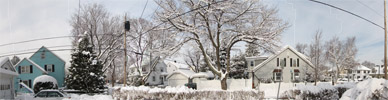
42	62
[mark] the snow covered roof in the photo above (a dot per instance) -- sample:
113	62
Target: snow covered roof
45	78
177	65
287	47
4	60
191	74
361	67
33	63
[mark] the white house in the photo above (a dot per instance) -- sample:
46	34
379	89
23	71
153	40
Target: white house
254	61
7	75
157	76
360	72
179	74
378	71
287	65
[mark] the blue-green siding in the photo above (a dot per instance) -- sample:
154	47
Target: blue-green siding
26	76
49	58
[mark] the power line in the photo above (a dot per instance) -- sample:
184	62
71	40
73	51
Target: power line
370	8
143	9
35	49
348	12
47	38
34	40
108	34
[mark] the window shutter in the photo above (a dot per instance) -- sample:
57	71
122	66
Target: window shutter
45	67
29	83
31	71
20	81
53	68
20	70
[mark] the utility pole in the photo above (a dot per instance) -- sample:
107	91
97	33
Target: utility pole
385	41
126	28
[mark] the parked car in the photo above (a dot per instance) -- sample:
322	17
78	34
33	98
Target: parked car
50	95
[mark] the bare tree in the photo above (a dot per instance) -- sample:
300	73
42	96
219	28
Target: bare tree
317	55
149	42
222	24
302	48
103	30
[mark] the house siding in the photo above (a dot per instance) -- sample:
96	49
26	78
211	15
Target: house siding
266	70
50	58
26	76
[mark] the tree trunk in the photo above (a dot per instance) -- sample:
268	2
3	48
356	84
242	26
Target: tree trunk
113	75
224	84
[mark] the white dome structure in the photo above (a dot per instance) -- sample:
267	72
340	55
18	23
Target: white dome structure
45	78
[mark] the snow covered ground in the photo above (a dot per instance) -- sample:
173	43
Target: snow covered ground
88	97
271	89
28	96
371	89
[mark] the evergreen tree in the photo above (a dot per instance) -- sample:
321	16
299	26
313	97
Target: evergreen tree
85	72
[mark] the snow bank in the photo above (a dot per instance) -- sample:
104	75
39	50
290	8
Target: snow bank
89	97
142	92
45	78
368	89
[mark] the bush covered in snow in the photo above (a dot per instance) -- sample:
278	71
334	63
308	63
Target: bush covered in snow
371	89
323	91
44	85
136	93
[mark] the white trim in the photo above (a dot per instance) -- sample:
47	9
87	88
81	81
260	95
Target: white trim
303	57
33	63
25	86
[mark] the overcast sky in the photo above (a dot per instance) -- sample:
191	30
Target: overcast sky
33	19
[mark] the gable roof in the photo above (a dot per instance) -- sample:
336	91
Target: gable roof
43	47
33	63
287	47
4	60
361	67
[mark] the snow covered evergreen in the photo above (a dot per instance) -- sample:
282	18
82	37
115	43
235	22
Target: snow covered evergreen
85	72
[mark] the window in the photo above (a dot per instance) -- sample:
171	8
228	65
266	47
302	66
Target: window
297	62
252	63
364	77
285	62
49	68
41	94
358	71
42	56
26	83
161	69
278	76
161	78
25	69
153	78
53	94
296	74
277	62
290	62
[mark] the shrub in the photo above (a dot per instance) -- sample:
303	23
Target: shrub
44	85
